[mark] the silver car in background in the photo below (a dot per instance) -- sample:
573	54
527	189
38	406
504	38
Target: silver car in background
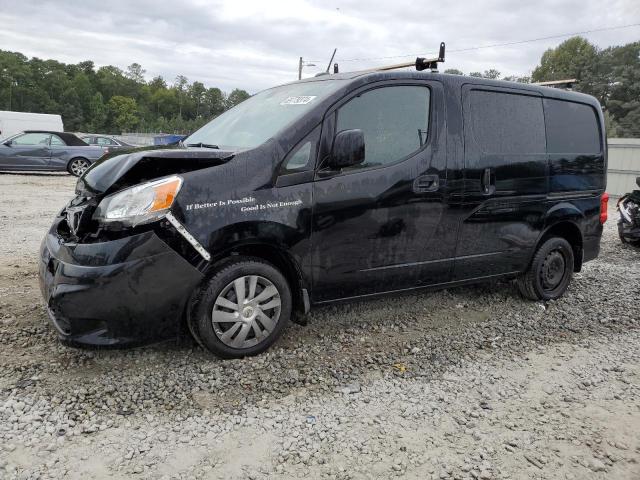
107	142
39	150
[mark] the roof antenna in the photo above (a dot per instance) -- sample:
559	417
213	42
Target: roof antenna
331	60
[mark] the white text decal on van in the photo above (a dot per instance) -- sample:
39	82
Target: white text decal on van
301	100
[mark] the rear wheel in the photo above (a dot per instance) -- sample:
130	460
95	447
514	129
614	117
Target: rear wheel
550	271
243	309
78	166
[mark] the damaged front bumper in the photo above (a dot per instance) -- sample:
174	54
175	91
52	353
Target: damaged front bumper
127	291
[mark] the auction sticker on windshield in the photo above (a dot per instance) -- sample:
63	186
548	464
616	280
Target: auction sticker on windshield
300	100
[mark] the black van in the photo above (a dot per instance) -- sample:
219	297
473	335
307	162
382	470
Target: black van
334	188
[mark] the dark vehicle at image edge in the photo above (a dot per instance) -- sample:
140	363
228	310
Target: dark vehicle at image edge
334	188
41	150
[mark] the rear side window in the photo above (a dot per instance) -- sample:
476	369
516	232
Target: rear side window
571	127
57	141
105	141
394	121
507	124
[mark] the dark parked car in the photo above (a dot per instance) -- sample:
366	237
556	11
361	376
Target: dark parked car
329	189
47	151
104	141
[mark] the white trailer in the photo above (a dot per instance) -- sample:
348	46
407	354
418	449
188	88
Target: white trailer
16	122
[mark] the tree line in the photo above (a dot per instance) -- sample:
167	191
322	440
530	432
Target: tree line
110	100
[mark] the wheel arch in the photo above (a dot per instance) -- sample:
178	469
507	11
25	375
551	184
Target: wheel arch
569	230
276	255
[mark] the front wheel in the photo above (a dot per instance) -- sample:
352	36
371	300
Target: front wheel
242	309
550	271
78	166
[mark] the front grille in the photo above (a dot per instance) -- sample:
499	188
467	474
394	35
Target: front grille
77	215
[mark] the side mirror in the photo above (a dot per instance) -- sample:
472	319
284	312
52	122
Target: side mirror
348	149
8	143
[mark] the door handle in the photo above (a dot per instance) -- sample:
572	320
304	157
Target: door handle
426	184
487	182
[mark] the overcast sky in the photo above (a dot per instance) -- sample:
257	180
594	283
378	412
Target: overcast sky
256	44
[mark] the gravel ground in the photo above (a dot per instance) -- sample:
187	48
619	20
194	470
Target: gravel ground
462	383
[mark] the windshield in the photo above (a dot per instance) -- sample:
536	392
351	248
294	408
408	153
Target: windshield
260	117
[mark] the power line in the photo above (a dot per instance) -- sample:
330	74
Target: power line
498	44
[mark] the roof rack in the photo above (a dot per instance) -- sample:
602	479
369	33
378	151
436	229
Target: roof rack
567	83
420	63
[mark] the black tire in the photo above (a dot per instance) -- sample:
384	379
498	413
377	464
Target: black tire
620	232
210	334
77	166
633	243
550	271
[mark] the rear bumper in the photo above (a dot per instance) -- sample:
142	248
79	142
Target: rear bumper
122	292
591	248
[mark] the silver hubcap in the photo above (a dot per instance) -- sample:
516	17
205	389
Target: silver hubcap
246	311
78	167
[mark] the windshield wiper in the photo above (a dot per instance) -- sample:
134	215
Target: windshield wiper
203	145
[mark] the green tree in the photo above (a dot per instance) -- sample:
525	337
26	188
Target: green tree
214	102
235	97
517	79
136	73
82	94
71	110
165	102
180	86
157	83
571	59
97	114
493	74
454	71
196	93
123	113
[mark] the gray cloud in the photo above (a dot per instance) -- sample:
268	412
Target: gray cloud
254	45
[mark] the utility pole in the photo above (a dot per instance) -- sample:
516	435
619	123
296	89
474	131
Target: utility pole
302	63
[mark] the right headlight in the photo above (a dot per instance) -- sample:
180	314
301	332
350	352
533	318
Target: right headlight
140	204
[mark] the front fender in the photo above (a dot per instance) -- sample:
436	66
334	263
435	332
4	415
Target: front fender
265	239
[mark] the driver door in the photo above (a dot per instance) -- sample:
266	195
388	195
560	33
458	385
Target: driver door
29	151
383	225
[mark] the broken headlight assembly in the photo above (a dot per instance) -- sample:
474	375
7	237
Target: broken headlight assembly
140	204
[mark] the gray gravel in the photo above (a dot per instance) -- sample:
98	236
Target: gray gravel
466	383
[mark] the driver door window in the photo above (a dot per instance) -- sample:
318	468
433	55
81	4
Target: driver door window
32	139
394	120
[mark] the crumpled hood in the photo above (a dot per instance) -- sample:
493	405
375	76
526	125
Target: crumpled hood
117	170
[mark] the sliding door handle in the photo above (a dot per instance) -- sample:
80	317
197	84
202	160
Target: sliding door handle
487	182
